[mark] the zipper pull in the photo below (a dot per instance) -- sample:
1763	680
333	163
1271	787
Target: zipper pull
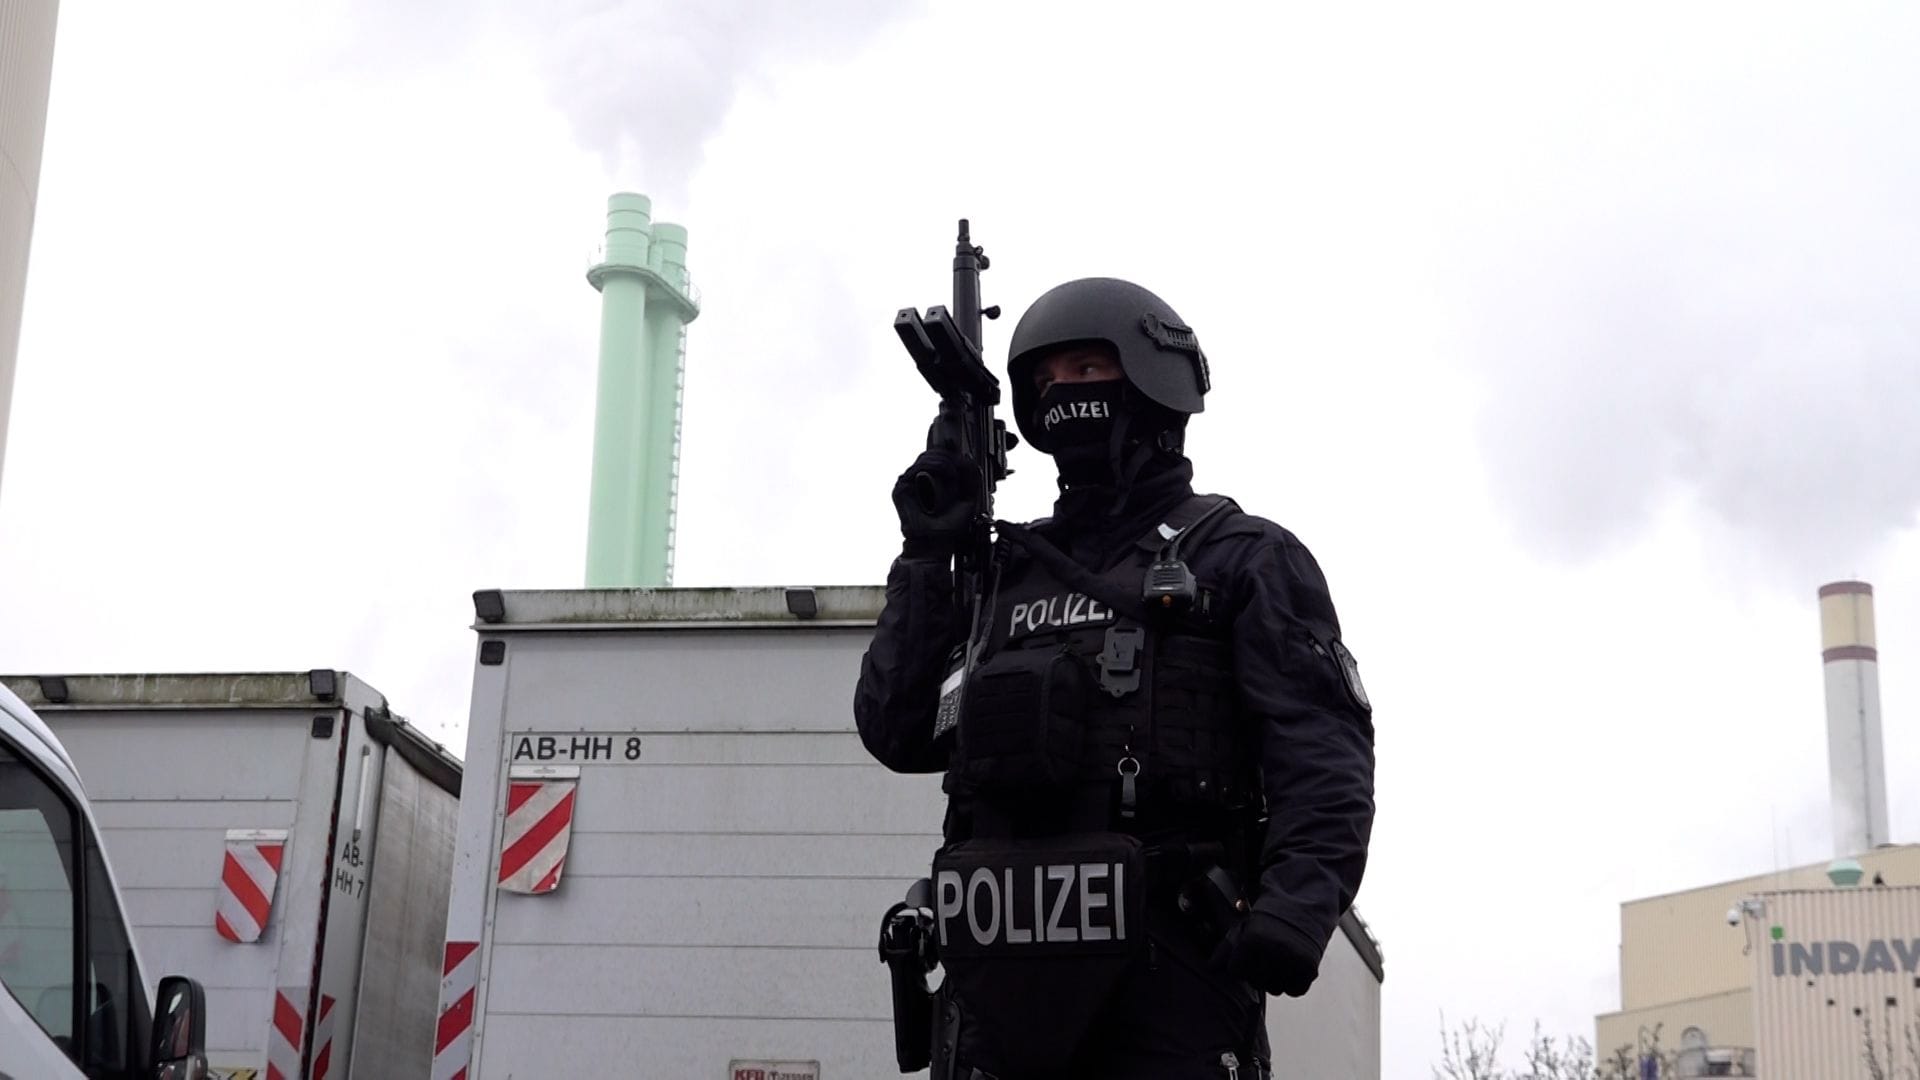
1230	1063
1129	769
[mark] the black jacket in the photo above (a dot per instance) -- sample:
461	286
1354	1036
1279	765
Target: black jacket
1316	729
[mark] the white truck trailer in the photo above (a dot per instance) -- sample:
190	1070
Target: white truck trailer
673	852
75	1000
286	840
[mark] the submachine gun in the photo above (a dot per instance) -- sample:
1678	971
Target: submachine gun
945	346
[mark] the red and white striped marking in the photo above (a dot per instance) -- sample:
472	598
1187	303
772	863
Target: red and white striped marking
534	846
283	1034
453	1039
323	1040
248	877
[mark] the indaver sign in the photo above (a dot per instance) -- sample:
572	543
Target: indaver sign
774	1070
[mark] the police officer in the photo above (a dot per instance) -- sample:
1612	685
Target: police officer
1160	763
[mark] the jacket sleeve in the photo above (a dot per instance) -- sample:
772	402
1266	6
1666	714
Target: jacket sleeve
899	689
1315	738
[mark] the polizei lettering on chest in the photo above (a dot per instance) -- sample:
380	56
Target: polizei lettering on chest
1009	909
1057	613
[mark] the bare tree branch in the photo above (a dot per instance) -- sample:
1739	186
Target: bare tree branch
1869	1053
1470	1052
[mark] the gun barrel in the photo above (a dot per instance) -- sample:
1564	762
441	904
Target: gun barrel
968	261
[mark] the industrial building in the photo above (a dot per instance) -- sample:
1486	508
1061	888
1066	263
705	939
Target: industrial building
1785	974
26	69
1836	981
1689	975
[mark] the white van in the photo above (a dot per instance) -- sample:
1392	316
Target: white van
76	1002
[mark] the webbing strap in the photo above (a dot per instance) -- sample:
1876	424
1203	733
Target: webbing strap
1201	510
1072	574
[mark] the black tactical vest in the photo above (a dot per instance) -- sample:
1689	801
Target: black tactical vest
1089	713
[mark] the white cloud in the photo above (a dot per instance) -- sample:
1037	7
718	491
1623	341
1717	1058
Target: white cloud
1693	271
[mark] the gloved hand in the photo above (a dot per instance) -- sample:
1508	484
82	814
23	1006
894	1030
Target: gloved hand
1270	955
935	499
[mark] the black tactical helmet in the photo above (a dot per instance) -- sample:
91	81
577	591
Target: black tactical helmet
1158	353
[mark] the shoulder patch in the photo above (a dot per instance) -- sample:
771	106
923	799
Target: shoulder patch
1350	672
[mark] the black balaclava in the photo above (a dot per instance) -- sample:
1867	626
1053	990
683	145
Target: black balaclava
1080	421
1119	456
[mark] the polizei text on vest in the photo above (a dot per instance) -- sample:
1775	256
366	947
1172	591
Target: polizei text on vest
1033	905
1057	613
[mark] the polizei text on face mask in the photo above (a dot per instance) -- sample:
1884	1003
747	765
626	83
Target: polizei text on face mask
1077	410
1033	905
1057	613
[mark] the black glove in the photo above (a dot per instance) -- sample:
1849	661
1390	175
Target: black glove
1270	955
935	498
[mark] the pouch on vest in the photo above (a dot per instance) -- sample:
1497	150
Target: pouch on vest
1036	933
1021	721
1199	749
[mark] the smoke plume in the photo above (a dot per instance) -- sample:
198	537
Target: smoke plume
645	84
1700	280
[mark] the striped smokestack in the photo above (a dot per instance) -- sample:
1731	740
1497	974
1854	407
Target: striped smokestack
1854	758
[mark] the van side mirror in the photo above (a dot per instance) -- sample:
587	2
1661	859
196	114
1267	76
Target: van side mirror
179	1030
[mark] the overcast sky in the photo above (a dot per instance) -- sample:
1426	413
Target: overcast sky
1581	348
